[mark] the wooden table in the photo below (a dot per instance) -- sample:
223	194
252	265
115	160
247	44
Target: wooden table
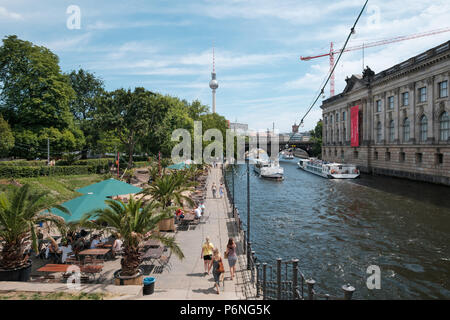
94	252
151	243
104	245
51	268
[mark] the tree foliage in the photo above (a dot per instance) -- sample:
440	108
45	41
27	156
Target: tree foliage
316	137
7	138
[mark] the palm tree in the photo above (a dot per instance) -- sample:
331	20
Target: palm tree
168	189
20	213
134	222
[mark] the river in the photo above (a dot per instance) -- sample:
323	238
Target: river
338	228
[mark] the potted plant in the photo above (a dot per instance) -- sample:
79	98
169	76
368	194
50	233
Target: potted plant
20	214
135	222
168	190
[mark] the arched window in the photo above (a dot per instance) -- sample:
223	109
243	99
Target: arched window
423	128
379	132
391	131
406	129
332	137
444	128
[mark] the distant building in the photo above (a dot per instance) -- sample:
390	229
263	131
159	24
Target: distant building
238	126
395	122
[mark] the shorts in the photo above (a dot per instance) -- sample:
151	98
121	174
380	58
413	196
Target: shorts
208	257
232	261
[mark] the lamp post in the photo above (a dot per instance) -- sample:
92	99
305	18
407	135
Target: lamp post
248	214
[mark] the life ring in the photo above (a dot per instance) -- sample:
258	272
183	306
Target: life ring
333	171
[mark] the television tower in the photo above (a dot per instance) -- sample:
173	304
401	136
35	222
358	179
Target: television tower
213	84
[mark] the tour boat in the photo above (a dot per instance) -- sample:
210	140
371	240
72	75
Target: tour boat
329	170
268	169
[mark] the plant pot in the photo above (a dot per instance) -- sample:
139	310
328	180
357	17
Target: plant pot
167	225
135	280
22	274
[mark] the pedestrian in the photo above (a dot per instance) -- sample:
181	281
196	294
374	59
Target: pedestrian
198	212
231	255
207	251
214	189
221	191
218	268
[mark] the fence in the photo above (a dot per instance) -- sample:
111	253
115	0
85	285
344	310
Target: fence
284	281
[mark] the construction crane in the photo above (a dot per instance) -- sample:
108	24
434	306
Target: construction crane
370	45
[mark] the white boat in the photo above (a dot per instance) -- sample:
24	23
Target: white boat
268	169
329	170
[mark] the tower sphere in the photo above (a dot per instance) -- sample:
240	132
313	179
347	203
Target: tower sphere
213	84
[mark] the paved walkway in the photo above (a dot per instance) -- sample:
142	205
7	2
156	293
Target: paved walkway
186	279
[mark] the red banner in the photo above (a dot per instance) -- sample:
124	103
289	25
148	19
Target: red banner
354	120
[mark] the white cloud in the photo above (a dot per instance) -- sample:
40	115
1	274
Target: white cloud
5	13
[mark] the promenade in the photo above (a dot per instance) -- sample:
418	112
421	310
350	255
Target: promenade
186	280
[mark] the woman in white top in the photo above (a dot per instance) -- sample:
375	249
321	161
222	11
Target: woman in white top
117	245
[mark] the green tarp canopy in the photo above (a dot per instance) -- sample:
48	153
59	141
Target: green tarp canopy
81	205
109	188
178	166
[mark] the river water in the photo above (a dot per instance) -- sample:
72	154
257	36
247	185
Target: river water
338	228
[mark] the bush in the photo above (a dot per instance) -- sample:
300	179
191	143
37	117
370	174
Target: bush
140	164
37	171
24	163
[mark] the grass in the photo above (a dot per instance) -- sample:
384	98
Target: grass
52	296
59	188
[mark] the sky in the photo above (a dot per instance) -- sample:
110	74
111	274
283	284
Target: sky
166	46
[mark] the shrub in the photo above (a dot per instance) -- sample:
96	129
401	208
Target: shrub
37	171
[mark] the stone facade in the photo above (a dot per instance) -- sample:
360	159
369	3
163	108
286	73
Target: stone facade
404	121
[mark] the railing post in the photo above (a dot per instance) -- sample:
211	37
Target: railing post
264	280
252	265
249	255
348	291
294	278
310	283
258	280
245	242
279	279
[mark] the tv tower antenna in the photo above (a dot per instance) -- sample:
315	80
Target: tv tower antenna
213	84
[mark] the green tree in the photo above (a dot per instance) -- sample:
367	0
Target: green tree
130	115
35	96
88	88
7	138
316	137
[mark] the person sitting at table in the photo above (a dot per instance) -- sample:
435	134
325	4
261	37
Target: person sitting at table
117	245
179	214
95	241
198	212
64	250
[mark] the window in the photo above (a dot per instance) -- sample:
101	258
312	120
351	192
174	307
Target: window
418	158
344	136
376	155
405	99
343	116
335	152
338	137
378	105
342	154
379	132
355	154
423	94
406	129
331	119
443	89
326	122
391	131
423	128
391	102
388	156
444	129
402	157
439	158
337	117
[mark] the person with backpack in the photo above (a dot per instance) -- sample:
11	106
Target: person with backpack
218	268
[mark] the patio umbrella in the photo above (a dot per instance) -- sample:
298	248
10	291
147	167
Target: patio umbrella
81	205
109	188
178	166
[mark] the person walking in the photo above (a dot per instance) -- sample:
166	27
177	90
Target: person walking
218	268
221	191
206	255
231	255
214	189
